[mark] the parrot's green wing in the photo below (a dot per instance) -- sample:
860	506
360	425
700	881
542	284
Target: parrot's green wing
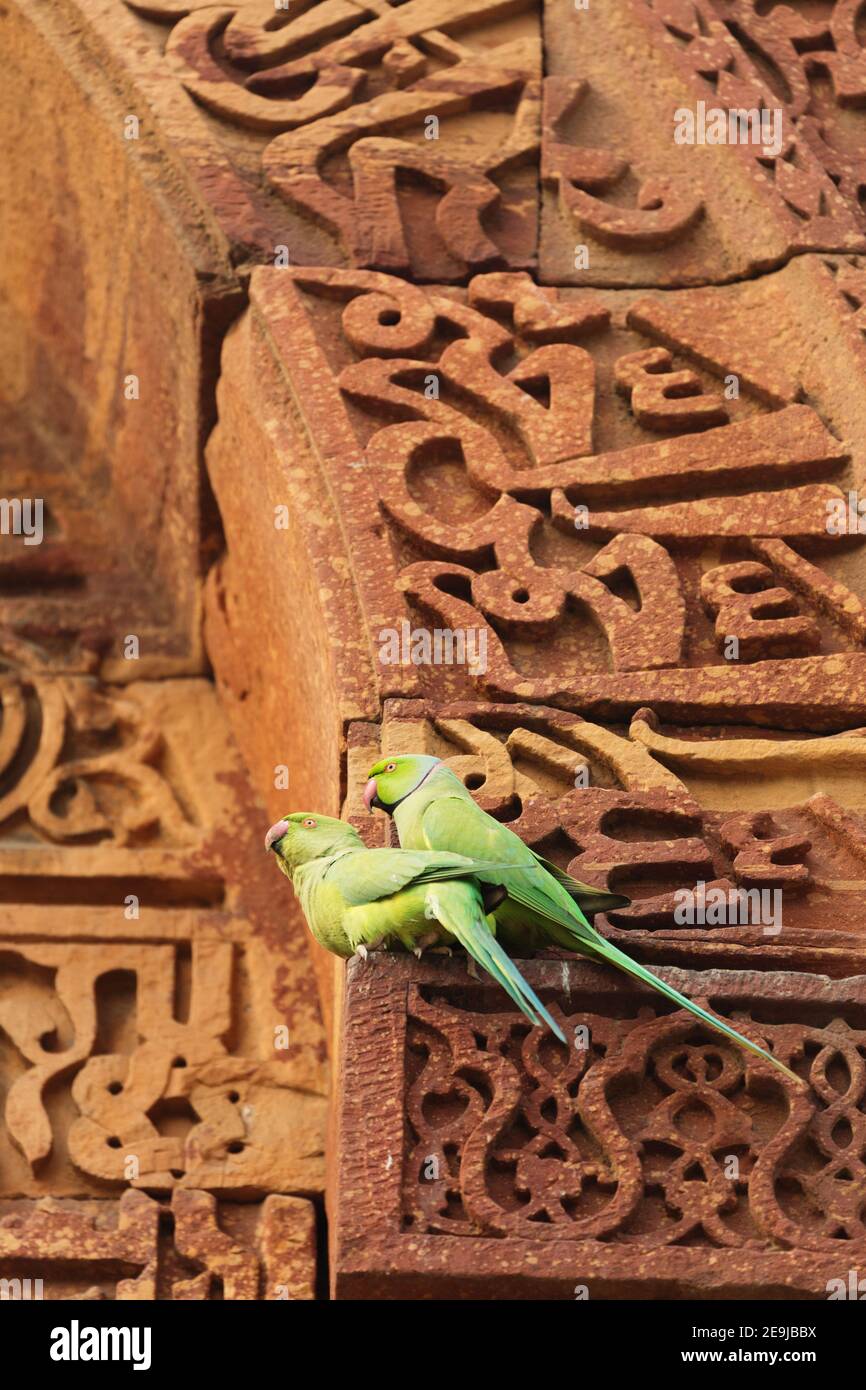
450	821
367	875
475	936
590	900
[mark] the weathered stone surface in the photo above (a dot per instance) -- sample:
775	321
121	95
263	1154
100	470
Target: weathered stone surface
159	1016
415	138
122	1249
814	66
628	517
287	559
562	548
402	138
648	209
651	1159
113	297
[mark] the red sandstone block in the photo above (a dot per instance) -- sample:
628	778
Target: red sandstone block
482	1159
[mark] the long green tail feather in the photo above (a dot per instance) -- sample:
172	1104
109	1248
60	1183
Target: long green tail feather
607	951
477	938
569	928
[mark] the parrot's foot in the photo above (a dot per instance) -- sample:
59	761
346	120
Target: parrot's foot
426	941
441	951
472	969
365	951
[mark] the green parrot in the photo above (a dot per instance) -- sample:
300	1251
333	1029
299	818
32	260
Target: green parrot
357	900
535	903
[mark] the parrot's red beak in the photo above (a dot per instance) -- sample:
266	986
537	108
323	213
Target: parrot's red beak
370	793
276	832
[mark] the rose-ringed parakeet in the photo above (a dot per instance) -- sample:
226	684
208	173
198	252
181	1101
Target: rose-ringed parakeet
357	900
539	905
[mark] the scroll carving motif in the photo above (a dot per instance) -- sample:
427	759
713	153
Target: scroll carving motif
633	1138
85	763
143	989
90	1250
566	525
342	100
350	97
646	1145
671	821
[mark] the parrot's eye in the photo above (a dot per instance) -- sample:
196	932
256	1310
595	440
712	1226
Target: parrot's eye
309	822
391	767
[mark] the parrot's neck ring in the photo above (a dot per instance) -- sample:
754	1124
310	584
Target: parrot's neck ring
394	804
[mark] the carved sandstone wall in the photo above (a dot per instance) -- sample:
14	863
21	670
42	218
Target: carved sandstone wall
477	347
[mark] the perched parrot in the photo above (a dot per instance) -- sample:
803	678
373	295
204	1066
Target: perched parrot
357	900
535	903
